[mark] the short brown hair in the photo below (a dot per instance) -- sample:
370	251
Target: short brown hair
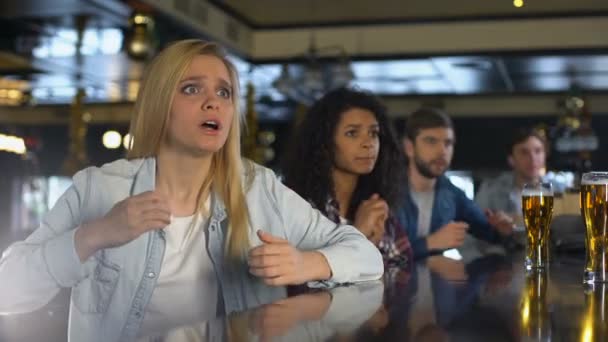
524	133
423	118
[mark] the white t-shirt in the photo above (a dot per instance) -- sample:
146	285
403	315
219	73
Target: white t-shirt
424	202
187	288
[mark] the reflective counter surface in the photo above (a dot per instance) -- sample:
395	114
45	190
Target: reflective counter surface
438	299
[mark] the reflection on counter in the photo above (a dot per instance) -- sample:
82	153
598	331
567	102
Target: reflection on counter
535	315
595	316
315	316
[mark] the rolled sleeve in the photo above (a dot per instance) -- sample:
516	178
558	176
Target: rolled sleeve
345	268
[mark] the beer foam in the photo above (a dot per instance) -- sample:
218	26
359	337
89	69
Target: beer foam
603	181
596	178
536	192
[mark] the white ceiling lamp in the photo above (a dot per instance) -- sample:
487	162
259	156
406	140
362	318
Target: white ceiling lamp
313	73
111	140
127	141
13	144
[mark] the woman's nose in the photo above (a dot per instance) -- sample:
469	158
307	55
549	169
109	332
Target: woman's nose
211	102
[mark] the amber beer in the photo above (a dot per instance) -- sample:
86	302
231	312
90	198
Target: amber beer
537	209
594	209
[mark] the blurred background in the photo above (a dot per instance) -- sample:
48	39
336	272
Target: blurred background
70	72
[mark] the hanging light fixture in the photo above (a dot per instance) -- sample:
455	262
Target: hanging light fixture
140	41
574	125
573	135
314	73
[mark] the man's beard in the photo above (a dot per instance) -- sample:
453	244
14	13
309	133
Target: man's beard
425	169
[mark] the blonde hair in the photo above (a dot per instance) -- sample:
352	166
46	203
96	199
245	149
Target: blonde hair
149	127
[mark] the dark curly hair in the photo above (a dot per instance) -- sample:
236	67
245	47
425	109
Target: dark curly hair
308	166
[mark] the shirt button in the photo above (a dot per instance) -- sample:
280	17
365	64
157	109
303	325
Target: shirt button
138	314
151	275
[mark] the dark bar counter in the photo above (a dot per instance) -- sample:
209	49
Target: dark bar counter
439	299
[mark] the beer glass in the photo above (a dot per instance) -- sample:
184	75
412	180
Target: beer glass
537	209
594	209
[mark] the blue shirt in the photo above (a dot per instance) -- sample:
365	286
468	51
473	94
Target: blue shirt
450	204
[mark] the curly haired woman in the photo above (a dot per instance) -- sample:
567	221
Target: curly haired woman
354	169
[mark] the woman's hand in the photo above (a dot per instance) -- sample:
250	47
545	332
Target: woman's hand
279	263
371	217
126	221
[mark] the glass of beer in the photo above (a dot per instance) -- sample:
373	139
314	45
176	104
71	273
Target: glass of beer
594	209
537	209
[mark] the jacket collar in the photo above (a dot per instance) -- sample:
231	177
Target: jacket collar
145	180
145	176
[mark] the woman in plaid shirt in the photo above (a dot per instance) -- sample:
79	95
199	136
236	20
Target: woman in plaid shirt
347	162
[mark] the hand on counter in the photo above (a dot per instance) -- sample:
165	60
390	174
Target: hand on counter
279	263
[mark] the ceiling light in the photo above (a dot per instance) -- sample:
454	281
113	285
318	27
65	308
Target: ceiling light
12	97
12	144
127	141
111	140
140	41
14	94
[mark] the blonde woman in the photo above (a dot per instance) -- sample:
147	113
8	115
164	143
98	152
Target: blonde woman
183	229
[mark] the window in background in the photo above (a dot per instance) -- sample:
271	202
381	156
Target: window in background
57	186
462	180
39	195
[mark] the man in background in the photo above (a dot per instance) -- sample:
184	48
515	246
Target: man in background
435	213
527	154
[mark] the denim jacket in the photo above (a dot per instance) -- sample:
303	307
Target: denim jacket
450	204
111	289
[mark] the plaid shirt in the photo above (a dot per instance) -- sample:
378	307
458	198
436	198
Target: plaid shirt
394	246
